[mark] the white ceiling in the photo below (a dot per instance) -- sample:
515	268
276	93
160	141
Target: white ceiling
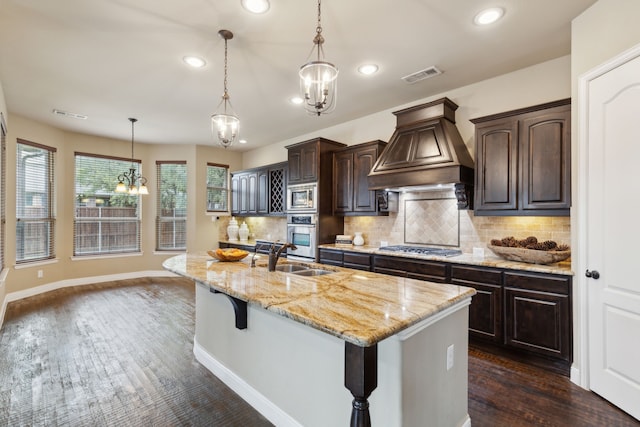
114	59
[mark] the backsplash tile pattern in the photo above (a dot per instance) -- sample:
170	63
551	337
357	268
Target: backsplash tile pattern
474	231
267	228
432	221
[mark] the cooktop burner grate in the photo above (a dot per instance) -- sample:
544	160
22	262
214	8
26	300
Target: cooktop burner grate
422	250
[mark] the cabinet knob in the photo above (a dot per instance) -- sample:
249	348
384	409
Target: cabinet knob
592	274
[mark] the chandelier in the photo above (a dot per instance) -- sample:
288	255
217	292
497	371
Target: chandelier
225	125
318	79
132	182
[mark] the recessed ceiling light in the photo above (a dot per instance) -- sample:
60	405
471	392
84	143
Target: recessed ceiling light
368	69
296	100
242	141
256	6
194	61
488	16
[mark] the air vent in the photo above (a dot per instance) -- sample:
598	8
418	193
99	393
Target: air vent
68	114
422	74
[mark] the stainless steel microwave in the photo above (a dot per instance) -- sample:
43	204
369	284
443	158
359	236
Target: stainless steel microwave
302	198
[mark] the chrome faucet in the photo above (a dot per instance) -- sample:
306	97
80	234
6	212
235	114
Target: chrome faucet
274	255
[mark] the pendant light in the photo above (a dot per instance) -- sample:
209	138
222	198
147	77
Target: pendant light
132	182
318	79
225	125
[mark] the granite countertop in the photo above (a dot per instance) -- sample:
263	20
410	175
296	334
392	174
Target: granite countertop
359	307
563	268
489	260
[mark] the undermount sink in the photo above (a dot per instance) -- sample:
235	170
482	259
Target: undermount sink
312	272
290	268
301	270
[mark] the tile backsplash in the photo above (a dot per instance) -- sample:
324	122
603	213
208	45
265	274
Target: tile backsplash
429	218
267	228
473	231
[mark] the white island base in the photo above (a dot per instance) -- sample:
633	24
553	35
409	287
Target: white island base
294	374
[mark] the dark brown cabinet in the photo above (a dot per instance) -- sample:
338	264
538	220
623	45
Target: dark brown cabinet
485	311
522	314
523	161
341	258
309	159
432	271
245	196
351	167
538	314
259	191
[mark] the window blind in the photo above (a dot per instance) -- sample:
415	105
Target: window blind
105	222
217	187
3	163
171	217
35	221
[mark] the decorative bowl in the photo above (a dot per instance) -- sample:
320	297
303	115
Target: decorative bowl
228	255
530	256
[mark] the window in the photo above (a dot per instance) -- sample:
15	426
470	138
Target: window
217	187
3	163
34	202
171	220
105	222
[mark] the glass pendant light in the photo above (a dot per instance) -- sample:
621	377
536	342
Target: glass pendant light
318	79
225	125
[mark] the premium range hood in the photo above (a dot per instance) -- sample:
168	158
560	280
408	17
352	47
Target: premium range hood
425	151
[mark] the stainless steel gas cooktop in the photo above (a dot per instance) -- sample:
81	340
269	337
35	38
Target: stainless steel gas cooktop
422	250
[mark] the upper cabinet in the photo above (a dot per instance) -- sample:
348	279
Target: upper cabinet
523	161
259	191
351	167
310	159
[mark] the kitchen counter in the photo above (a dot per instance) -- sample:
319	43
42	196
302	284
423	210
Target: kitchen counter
359	307
563	268
396	335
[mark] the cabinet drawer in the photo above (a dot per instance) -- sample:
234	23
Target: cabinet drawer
357	258
327	255
535	282
357	266
415	269
462	275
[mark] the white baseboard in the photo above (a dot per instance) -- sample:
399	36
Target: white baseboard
575	377
252	396
467	422
15	296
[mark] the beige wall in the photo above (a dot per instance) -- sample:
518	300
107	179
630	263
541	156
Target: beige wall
201	234
603	31
548	81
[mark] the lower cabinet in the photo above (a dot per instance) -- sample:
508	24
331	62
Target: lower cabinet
485	312
538	314
340	258
525	312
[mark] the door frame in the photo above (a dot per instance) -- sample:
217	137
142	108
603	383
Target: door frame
580	215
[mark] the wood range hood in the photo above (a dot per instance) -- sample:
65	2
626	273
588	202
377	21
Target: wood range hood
426	150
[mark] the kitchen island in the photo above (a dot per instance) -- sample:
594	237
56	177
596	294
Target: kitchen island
285	343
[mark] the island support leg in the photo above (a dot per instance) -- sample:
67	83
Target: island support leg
239	308
361	378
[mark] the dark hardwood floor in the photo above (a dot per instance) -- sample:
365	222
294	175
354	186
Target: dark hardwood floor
114	354
120	354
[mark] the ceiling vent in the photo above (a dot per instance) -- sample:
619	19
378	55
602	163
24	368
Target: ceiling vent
422	74
68	114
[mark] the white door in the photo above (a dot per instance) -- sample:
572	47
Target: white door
613	235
